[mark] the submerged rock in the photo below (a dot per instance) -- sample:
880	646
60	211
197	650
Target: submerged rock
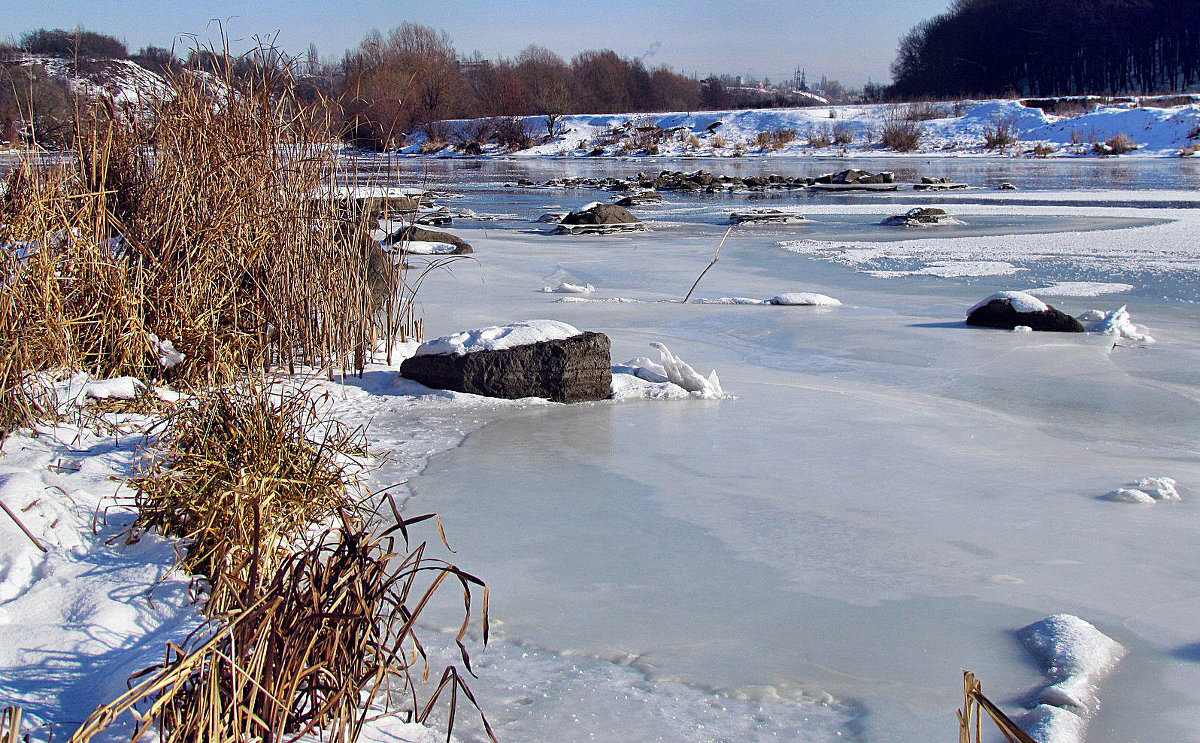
766	216
573	369
922	215
1007	310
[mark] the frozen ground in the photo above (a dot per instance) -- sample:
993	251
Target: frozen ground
881	498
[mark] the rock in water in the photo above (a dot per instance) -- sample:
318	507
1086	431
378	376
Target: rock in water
568	370
601	214
415	234
1007	310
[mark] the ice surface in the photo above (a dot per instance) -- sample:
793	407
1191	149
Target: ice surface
497	337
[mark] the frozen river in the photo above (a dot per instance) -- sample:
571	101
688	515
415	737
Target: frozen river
886	497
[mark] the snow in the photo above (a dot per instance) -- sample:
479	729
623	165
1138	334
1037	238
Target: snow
497	337
1076	657
425	247
1117	323
566	287
168	355
679	372
1081	289
831	513
1146	491
808	299
1019	301
791	299
1158	132
121	388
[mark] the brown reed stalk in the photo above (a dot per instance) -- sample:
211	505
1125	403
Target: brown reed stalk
970	716
210	219
329	641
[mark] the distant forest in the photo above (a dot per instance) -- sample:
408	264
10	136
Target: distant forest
393	84
1051	47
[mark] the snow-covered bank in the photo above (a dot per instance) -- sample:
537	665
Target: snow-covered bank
957	128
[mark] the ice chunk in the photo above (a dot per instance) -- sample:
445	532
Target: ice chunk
1022	329
682	374
1160	488
1117	322
1050	724
497	337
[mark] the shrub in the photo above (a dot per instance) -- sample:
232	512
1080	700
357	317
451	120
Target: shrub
69	44
775	139
1190	150
819	137
924	111
1042	149
512	132
1194	133
843	133
1001	133
717	142
1119	144
900	133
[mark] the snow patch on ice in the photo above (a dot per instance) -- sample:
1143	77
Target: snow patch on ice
672	379
952	270
497	337
795	299
1080	289
565	287
1076	657
1146	491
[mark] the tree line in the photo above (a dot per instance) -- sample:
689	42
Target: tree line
1051	47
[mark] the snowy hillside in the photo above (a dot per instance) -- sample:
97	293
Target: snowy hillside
952	129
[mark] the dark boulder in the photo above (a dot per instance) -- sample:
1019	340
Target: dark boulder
473	148
601	214
413	233
640	198
1000	313
569	370
921	215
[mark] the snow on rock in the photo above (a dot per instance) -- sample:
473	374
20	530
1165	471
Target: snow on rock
1022	329
1076	657
565	287
1117	323
497	337
681	373
1019	301
426	247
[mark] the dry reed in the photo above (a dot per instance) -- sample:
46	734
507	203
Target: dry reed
240	474
329	642
212	219
970	716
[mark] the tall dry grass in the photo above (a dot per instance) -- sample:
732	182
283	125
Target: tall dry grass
327	643
212	220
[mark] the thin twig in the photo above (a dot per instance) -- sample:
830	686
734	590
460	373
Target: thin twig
28	533
716	256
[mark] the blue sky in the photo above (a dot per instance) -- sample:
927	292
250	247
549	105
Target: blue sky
848	40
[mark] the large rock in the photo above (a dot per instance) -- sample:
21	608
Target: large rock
601	214
1007	310
414	233
569	370
921	215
